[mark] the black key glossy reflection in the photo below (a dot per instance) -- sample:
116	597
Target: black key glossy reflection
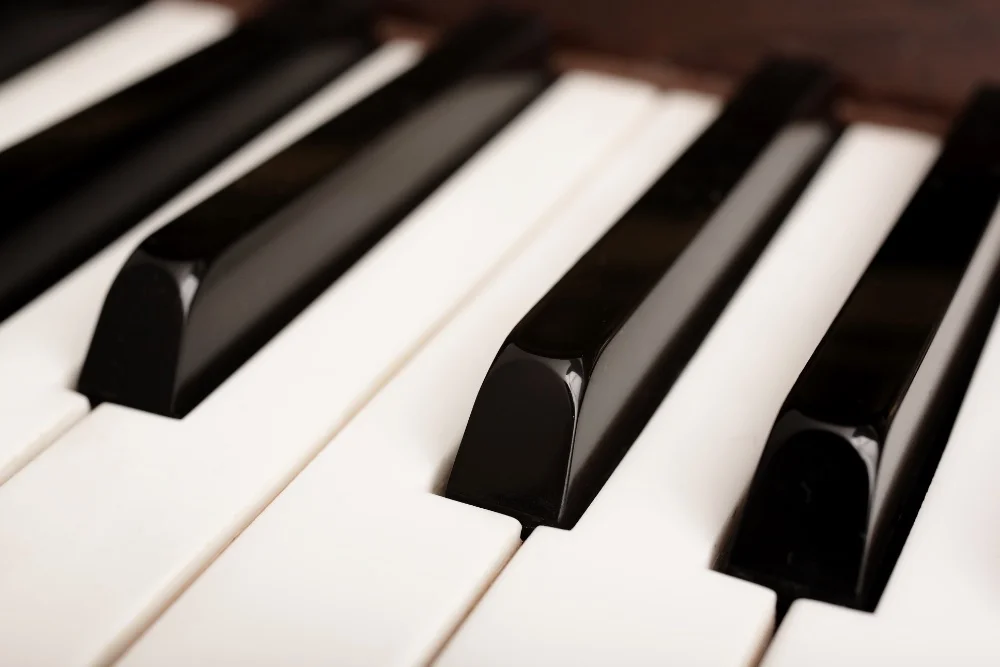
580	375
855	444
71	189
205	292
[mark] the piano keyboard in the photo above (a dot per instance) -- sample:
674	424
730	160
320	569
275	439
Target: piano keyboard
319	349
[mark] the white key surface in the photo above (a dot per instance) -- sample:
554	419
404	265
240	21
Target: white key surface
688	469
559	602
407	437
123	52
115	518
28	425
361	581
44	344
823	635
356	543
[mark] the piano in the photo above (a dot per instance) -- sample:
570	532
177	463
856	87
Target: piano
440	332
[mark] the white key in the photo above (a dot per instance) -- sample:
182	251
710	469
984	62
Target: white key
43	345
407	437
951	560
822	635
366	497
383	581
28	425
112	58
666	507
559	602
688	469
111	522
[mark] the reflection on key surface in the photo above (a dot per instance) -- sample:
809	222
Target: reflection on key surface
853	448
200	296
579	376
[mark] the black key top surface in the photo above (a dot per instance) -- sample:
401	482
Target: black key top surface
580	375
32	30
205	292
845	469
71	189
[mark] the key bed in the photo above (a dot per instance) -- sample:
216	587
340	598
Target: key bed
248	422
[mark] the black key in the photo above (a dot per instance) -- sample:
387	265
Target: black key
577	379
200	296
56	157
855	444
31	30
71	189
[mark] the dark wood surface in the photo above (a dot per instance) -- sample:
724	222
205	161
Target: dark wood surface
925	55
906	62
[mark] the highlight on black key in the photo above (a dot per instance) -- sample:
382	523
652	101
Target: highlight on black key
579	376
855	445
202	295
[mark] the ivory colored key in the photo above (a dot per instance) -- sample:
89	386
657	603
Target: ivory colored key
31	422
561	601
819	634
140	43
373	481
43	346
383	583
668	503
121	513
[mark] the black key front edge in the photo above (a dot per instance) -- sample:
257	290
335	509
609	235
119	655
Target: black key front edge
200	296
579	376
856	442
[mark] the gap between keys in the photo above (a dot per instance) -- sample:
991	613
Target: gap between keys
943	598
361	510
357	540
118	515
43	345
123	52
667	505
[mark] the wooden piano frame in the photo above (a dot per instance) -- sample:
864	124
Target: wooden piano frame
909	63
905	62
